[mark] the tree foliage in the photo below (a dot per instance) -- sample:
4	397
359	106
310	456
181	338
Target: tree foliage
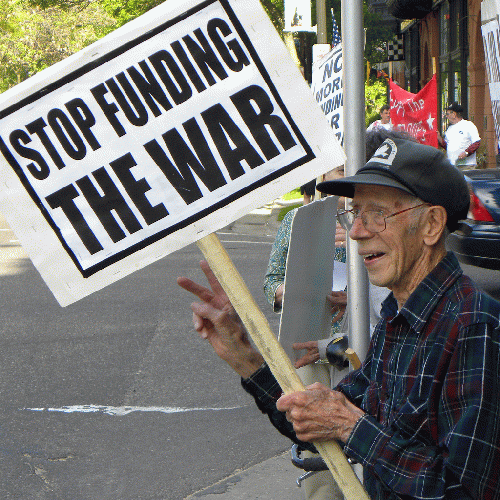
35	38
375	97
39	33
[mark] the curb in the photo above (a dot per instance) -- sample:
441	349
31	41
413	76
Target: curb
273	479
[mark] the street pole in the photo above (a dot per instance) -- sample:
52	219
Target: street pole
353	40
321	21
321	38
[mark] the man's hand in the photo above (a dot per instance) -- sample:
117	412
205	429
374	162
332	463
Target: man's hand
320	414
340	236
338	300
311	356
216	321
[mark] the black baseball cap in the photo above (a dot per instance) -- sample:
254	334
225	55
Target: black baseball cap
414	168
454	106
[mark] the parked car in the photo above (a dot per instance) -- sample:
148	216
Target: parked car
477	242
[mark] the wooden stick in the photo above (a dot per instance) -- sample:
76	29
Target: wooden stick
259	330
353	358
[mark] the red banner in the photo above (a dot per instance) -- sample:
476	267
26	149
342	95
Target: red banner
416	114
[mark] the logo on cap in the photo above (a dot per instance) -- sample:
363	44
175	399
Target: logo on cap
385	154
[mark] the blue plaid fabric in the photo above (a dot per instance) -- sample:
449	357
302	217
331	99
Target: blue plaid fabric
430	387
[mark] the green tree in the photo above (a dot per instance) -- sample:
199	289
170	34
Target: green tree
375	97
36	38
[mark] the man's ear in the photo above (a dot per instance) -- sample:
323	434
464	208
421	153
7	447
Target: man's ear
434	225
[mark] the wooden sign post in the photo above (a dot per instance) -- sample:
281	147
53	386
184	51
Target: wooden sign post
259	330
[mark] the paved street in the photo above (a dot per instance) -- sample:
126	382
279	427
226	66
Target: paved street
115	397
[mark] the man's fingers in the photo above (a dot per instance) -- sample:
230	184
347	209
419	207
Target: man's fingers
306	360
205	311
191	286
212	279
198	322
311	344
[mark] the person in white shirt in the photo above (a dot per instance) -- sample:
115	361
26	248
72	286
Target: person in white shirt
385	119
461	139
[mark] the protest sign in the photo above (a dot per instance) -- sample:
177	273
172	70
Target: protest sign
328	91
306	313
415	113
491	45
164	131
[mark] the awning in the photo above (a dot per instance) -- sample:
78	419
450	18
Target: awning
409	9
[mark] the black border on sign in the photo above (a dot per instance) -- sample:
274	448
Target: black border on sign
86	273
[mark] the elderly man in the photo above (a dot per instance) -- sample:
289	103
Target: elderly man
422	414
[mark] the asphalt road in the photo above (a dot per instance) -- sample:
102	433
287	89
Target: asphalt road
115	397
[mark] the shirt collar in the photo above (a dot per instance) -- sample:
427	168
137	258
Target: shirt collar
421	303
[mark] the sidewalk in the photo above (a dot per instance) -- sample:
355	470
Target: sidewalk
263	220
273	479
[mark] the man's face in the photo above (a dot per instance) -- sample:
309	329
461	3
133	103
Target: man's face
451	116
385	116
390	256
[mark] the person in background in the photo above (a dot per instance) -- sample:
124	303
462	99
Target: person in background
308	191
321	485
274	279
461	139
385	120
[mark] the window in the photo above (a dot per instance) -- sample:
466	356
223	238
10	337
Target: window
453	53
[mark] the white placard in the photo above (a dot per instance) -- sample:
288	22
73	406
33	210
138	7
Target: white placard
328	91
164	131
306	312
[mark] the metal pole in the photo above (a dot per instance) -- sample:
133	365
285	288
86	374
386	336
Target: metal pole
353	40
321	21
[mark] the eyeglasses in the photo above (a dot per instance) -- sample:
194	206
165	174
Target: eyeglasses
373	220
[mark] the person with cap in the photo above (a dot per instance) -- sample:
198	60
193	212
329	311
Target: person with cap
461	139
422	414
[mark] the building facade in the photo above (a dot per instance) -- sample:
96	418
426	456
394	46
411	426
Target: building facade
444	37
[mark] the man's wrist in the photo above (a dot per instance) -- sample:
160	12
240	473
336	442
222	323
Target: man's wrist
248	365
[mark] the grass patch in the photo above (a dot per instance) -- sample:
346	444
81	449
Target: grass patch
292	195
285	210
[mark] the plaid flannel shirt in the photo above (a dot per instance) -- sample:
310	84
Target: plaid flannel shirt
430	387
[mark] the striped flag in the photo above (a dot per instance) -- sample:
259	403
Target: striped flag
336	39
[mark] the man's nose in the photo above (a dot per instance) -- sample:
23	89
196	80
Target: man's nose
358	230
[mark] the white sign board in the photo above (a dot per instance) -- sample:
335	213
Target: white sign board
491	45
297	15
166	130
327	88
306	312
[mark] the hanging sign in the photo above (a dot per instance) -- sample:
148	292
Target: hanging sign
297	15
415	114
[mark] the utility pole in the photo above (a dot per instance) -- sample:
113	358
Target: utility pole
353	43
321	21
